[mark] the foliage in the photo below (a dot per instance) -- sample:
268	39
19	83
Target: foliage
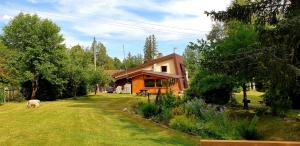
195	107
132	61
280	106
260	111
39	49
168	100
183	123
179	110
248	130
213	88
150	48
148	110
278	39
164	115
193	55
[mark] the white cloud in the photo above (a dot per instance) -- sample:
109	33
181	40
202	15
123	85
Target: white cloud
107	19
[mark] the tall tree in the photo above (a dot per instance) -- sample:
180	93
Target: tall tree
150	48
104	60
77	70
94	50
40	47
132	60
277	22
117	63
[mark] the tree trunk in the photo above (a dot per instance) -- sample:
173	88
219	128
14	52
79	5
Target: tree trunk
96	88
245	100
34	85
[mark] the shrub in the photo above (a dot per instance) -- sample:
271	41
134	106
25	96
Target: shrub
249	130
163	116
279	104
220	126
261	111
195	107
183	123
233	102
213	88
167	100
148	110
177	111
280	107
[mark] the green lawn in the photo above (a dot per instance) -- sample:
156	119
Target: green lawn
253	96
271	127
91	120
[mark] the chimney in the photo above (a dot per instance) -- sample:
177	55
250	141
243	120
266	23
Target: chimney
159	55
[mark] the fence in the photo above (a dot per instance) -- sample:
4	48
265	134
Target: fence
10	94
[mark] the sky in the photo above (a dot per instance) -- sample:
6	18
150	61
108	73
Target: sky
115	23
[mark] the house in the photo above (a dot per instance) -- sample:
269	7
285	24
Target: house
165	73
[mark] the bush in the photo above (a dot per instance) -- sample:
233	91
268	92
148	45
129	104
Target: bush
164	116
261	111
249	130
167	100
233	102
182	123
177	111
213	88
195	107
148	110
280	107
279	104
220	126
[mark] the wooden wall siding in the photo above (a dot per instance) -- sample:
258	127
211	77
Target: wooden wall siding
138	84
246	143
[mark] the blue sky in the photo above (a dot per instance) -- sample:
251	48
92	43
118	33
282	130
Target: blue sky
175	23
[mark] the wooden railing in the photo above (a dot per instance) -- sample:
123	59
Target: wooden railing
247	143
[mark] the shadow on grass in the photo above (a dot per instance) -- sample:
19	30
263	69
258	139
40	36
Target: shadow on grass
139	128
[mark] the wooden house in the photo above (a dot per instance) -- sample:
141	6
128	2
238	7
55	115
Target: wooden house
166	73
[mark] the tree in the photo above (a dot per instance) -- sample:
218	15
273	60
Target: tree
77	70
132	60
277	23
117	63
98	77
104	60
217	32
150	48
94	51
40	48
234	55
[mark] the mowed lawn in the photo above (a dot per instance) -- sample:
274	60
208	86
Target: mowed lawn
90	120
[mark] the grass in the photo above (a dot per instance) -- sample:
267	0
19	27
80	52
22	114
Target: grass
271	127
90	120
253	96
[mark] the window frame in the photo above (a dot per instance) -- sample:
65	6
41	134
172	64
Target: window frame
164	67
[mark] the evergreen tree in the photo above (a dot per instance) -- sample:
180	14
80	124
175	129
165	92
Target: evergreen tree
150	48
94	51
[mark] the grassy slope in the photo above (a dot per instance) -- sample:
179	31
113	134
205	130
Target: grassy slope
273	128
93	120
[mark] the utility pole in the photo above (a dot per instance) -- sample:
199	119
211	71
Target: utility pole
124	59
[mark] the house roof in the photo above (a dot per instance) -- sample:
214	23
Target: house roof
148	72
161	59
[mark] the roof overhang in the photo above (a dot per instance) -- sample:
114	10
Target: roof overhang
149	73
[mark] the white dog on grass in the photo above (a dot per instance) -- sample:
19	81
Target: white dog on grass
33	103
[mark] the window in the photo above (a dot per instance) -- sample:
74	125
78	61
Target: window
149	83
164	69
159	83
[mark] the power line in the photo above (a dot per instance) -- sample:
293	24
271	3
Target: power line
166	26
153	29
